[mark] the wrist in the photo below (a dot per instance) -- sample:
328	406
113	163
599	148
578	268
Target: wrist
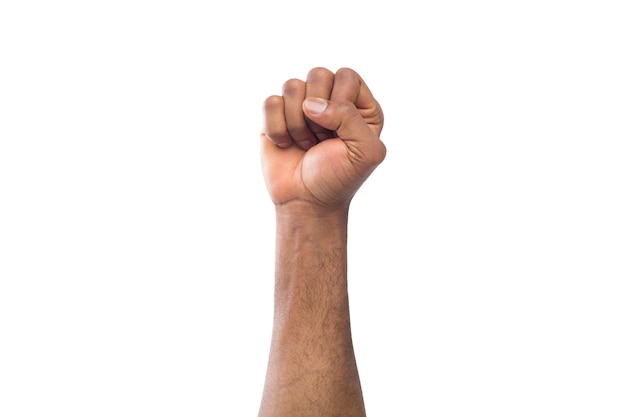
300	225
305	210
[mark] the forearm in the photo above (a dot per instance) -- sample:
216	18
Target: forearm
312	369
320	142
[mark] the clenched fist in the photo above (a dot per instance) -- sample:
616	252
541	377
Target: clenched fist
321	140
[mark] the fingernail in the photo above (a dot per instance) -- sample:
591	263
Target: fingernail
315	105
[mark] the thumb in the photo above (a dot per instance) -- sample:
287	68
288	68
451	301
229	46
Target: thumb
346	121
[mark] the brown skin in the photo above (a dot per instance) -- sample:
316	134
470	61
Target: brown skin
316	154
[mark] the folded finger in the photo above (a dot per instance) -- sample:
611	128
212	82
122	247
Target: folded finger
319	84
293	95
274	125
350	87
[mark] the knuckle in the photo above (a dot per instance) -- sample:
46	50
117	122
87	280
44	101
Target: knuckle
319	74
345	73
272	103
293	86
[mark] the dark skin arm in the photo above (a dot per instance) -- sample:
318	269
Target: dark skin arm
320	143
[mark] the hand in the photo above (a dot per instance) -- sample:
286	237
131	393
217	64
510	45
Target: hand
321	140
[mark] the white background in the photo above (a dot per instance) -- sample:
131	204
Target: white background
487	253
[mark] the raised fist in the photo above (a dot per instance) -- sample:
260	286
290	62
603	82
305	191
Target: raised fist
321	140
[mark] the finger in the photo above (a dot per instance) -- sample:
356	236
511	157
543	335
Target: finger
319	83
350	87
345	119
293	95
275	157
274	125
